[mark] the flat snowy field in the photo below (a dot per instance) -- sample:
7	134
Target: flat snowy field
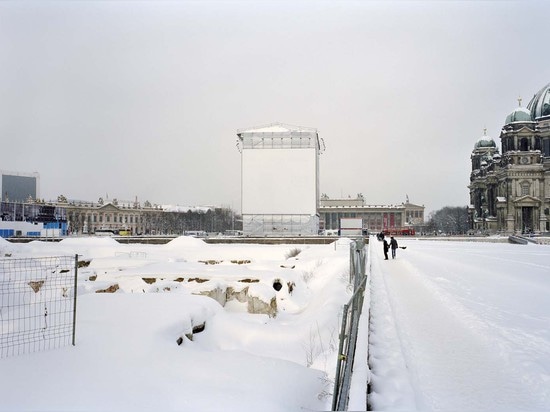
454	326
461	326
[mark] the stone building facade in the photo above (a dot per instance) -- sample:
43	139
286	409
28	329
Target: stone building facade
136	219
375	217
88	218
510	188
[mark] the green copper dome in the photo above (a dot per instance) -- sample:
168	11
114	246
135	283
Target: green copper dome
481	143
520	114
485	141
540	103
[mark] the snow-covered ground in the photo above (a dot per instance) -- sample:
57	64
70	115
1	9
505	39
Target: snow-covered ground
454	326
127	357
461	326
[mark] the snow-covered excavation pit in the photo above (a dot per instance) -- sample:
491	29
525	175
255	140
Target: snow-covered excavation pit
190	326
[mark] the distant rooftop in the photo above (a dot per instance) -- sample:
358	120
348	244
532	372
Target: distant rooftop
277	128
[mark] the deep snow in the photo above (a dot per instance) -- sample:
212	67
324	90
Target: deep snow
461	326
126	356
454	326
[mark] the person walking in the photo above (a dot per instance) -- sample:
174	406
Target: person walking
394	246
386	248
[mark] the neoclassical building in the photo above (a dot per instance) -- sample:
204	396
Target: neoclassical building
510	188
62	218
375	217
87	219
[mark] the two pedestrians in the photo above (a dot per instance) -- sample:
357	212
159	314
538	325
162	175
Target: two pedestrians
393	244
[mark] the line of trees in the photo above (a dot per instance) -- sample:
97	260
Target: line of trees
212	220
451	220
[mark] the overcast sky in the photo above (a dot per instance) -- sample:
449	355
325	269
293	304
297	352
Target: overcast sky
126	99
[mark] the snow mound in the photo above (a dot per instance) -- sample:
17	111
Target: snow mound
185	242
91	241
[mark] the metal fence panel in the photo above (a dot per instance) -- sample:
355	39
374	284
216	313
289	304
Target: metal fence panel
37	304
350	321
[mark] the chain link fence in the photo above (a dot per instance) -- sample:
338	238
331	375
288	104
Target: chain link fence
37	304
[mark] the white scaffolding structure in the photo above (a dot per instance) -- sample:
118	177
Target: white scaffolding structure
280	225
279	180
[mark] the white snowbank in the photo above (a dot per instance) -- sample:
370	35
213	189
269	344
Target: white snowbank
127	357
454	326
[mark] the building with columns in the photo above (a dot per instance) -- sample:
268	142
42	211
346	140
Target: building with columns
62	218
510	188
376	218
87	219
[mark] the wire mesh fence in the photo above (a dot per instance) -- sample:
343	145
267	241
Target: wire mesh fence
37	304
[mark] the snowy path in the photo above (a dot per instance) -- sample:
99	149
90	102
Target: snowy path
467	337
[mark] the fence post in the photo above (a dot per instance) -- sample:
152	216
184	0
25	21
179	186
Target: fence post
75	293
341	357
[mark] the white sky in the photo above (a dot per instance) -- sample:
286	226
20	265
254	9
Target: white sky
144	98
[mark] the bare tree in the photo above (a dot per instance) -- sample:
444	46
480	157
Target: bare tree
450	220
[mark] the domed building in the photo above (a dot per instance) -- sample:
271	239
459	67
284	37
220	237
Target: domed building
510	190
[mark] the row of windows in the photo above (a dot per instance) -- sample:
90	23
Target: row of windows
376	221
108	218
524	144
487	197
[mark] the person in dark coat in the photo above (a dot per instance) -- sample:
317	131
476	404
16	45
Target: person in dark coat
386	248
394	246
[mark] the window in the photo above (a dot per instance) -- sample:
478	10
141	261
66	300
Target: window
524	189
524	144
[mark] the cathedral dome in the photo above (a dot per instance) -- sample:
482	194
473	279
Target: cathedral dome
485	142
540	103
519	114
